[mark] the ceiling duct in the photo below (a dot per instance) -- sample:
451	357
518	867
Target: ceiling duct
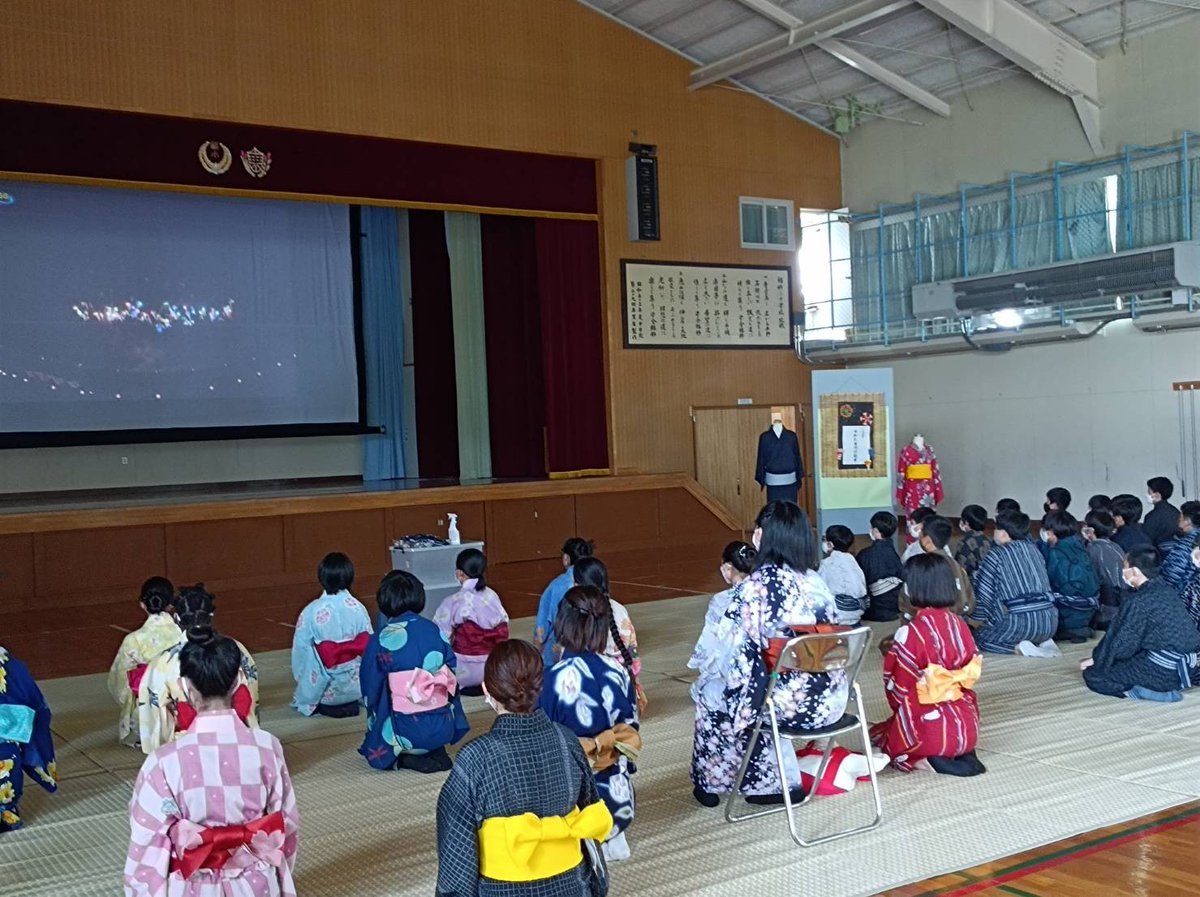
1154	271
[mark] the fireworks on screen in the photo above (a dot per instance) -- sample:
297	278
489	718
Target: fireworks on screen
166	316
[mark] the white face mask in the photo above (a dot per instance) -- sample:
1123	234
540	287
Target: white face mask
756	539
1045	535
827	547
1150	499
914	530
1128	576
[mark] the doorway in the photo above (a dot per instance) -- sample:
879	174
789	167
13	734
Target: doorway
725	444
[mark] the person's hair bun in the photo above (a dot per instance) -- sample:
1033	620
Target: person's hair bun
201	634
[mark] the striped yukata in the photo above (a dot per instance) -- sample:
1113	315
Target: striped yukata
1013	598
936	636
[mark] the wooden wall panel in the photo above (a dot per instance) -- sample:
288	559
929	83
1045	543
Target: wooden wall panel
618	520
118	558
528	529
684	521
432	519
218	551
16	569
363	535
538	75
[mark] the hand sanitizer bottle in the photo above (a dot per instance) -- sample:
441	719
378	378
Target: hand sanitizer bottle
454	537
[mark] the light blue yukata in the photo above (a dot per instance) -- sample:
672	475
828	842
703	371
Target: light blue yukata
548	610
338	619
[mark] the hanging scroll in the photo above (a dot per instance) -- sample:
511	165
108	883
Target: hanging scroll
681	306
853	435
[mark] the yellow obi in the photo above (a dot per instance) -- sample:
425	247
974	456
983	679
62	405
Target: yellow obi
918	472
531	848
938	684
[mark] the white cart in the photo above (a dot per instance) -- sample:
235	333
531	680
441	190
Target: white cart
434	566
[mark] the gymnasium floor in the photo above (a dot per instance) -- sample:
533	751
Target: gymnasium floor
1083	795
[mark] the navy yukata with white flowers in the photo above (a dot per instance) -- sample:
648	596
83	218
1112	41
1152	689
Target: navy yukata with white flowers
732	686
590	694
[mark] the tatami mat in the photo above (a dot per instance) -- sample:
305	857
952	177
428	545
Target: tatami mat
1061	761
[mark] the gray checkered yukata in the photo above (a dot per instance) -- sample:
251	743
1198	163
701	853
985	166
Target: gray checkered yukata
525	764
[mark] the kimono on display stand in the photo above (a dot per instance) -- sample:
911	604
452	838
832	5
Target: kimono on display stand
779	468
918	479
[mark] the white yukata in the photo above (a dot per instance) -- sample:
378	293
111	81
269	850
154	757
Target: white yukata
218	775
339	618
848	583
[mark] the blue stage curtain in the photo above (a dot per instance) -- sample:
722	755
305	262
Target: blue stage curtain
383	342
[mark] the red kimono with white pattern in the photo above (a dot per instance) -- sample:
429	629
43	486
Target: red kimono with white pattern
936	636
920	491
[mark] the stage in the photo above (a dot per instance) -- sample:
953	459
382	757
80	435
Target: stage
71	565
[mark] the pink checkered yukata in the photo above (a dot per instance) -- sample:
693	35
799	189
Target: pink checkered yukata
216	804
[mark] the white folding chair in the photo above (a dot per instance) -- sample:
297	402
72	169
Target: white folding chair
820	652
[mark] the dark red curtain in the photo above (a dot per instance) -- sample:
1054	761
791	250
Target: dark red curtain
433	346
516	411
568	268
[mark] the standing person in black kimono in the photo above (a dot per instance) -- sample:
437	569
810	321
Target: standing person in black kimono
526	782
780	468
1149	651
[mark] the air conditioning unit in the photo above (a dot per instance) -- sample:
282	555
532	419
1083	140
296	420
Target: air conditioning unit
1139	272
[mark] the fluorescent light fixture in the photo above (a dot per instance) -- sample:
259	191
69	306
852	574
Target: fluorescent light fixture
1009	318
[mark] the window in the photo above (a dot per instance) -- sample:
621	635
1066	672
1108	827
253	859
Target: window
824	260
767	223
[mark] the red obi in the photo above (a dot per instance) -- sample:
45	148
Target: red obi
135	677
775	645
200	847
185	713
334	654
471	640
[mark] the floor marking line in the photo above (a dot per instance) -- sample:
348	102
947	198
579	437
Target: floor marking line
119	628
1067	854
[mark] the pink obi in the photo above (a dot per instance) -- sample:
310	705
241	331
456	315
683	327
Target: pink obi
334	654
135	677
416	691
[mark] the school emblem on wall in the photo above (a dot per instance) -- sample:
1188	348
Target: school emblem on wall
256	162
215	157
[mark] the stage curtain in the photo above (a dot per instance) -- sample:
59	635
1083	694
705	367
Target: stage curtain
568	266
383	342
433	346
463	244
516	410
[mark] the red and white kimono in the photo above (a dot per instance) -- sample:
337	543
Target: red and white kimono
928	675
918	480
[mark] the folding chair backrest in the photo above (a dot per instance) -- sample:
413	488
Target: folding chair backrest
825	652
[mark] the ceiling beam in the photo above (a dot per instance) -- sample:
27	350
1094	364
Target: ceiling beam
886	76
1046	52
798	36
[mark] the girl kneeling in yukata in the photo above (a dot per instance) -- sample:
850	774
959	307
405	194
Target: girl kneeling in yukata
138	648
472	619
408	684
928	675
26	745
164	708
594	696
213	813
331	634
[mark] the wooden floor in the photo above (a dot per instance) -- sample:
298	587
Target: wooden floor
1150	857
